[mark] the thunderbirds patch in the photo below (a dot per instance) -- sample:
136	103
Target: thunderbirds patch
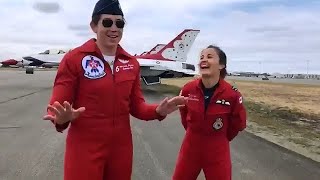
93	67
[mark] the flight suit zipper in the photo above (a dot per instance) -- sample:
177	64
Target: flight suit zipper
201	98
205	110
113	89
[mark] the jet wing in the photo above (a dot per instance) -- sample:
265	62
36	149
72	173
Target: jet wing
185	71
174	66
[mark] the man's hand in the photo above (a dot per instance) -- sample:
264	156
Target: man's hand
167	105
63	114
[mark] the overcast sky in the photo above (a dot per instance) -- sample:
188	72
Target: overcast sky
257	35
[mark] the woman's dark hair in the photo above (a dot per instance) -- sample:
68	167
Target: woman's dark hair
222	60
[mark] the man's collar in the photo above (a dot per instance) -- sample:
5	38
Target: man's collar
122	53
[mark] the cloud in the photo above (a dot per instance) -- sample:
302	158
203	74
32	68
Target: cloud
47	7
265	29
84	34
282	35
78	27
273	35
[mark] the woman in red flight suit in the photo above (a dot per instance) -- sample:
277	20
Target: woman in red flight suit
213	116
102	82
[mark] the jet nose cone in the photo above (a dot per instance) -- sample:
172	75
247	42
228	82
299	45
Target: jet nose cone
9	62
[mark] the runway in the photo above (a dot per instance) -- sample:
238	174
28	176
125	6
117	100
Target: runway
30	149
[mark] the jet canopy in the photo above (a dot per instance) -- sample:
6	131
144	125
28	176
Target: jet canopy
54	51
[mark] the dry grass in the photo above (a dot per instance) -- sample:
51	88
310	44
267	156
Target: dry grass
297	97
286	114
302	98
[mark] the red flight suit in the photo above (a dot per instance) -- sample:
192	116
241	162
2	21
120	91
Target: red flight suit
208	132
99	142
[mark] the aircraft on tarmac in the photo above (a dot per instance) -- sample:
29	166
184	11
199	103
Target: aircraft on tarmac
163	60
34	60
168	60
49	58
9	63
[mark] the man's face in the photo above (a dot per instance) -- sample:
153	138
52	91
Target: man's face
109	29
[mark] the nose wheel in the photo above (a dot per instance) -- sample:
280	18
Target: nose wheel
29	70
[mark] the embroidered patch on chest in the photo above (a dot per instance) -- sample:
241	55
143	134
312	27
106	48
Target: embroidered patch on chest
218	124
123	61
223	102
193	97
125	67
93	67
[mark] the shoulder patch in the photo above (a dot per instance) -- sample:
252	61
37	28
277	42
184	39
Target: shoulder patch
234	88
93	67
240	100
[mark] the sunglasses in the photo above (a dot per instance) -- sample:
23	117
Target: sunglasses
109	22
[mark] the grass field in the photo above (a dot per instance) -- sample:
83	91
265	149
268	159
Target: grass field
286	114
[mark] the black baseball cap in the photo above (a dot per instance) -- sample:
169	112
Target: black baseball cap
107	7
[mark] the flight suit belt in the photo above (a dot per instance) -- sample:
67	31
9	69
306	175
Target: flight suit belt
205	131
101	123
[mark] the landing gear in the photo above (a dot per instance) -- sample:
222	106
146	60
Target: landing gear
151	80
29	70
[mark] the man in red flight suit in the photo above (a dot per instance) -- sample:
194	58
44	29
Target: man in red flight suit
213	116
101	81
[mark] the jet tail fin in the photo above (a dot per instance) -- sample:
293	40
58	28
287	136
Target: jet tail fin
176	50
179	47
156	49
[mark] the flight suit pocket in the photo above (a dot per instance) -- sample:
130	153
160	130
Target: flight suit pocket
195	105
218	121
124	85
218	118
195	110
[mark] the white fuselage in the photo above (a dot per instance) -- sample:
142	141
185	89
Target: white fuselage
49	58
149	67
154	67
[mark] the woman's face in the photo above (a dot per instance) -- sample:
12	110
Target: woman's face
209	63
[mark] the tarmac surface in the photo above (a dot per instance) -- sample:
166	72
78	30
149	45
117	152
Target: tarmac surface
30	148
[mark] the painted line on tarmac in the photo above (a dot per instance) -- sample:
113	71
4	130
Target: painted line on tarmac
9	127
154	159
25	95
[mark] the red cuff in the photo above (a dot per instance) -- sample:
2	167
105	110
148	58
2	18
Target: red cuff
159	117
61	127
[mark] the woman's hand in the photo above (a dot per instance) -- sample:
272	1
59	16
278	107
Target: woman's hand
167	105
